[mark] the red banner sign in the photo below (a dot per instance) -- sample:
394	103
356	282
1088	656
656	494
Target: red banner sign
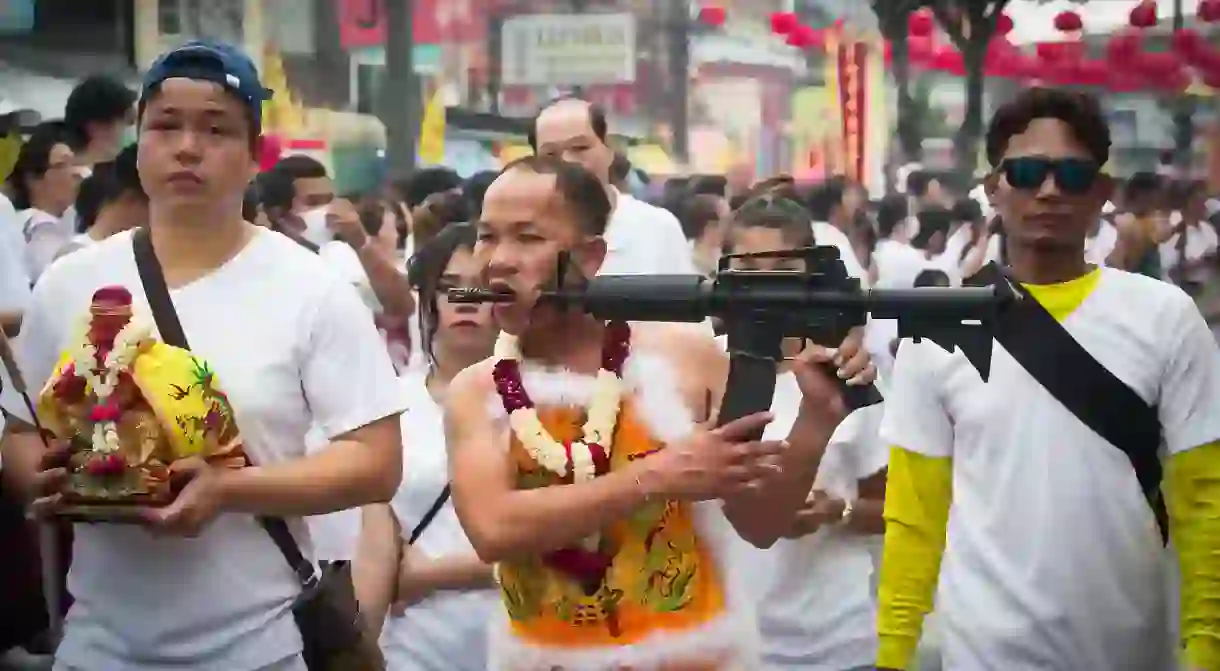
853	99
362	23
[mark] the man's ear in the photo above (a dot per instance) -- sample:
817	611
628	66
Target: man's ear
991	184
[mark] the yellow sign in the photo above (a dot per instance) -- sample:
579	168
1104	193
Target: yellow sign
432	131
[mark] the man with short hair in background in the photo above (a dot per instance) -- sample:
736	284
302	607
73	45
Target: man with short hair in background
640	238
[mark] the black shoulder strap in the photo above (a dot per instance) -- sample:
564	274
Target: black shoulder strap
170	328
1104	403
426	520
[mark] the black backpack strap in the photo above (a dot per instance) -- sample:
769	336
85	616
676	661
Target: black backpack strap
170	329
426	520
1101	401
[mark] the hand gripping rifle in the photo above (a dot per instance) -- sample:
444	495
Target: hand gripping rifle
759	308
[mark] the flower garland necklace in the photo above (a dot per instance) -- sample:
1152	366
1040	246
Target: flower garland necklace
84	362
577	460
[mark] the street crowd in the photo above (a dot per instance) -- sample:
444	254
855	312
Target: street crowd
523	488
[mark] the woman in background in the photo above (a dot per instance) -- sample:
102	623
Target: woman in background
439	595
816	609
43	184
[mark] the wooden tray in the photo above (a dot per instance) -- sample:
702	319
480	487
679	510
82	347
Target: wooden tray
94	510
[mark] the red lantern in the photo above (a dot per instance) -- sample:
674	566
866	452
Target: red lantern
1003	25
270	150
921	23
1208	11
949	60
1187	43
1092	73
712	15
804	37
1157	65
1143	15
919	49
1050	52
1068	22
1121	82
1123	47
783	23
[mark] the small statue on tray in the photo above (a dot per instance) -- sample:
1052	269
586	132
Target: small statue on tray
131	406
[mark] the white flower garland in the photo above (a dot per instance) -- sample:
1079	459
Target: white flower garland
118	360
599	424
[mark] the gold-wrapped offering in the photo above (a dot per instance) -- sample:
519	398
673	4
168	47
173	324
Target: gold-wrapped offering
131	406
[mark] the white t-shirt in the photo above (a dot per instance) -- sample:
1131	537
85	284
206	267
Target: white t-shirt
642	239
14	280
292	346
447	631
1054	559
827	235
957	243
1098	247
816	610
1201	240
45	234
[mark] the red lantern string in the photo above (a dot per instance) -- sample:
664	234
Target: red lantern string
783	23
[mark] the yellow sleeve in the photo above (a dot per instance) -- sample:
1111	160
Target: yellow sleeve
918	494
1192	491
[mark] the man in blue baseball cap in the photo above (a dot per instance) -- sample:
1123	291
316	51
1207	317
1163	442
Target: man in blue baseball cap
200	584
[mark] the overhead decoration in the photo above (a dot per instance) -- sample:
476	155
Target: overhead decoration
1068	22
1003	25
1143	15
1208	11
784	23
712	15
921	23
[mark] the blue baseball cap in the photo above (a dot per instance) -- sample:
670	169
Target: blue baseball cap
212	61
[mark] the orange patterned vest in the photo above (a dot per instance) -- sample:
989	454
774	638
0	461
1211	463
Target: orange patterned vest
663	577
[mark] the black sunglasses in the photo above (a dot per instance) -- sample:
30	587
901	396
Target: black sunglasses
1074	176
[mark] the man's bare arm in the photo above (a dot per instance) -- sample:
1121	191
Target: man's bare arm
10	323
359	468
867	515
375	567
502	521
22	451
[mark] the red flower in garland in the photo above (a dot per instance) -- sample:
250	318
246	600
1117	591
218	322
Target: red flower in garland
507	375
584	566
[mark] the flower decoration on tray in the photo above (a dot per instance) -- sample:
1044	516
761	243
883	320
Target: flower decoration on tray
570	460
131	405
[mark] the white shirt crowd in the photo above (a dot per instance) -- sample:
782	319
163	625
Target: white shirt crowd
816	603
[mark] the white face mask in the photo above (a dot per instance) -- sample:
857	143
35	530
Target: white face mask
316	230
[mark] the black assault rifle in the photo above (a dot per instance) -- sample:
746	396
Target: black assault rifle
759	308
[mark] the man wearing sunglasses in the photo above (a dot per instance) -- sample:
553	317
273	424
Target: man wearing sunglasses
1055	556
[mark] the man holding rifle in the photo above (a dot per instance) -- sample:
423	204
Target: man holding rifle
1057	526
582	465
